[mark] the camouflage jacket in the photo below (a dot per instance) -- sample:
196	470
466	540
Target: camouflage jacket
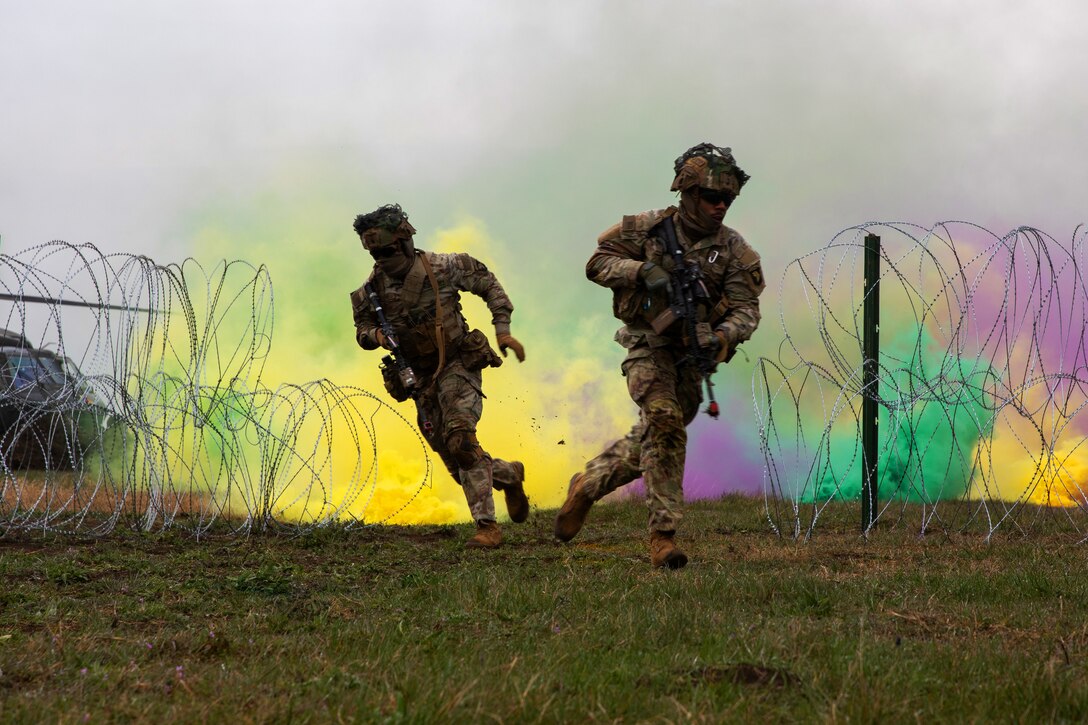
730	269
409	305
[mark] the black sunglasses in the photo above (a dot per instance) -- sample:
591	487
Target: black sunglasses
711	196
385	252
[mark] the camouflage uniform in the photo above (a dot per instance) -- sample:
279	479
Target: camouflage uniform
452	403
664	385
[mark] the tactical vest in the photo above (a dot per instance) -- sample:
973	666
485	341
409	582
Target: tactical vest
636	306
413	312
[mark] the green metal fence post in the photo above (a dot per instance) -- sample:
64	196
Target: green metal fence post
871	354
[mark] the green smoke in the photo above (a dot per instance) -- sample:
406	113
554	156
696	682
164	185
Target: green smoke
937	408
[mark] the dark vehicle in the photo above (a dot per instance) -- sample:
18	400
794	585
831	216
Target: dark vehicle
50	417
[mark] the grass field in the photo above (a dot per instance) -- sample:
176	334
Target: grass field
390	624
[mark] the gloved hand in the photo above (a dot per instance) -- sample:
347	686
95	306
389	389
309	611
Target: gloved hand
724	352
507	341
653	277
716	342
383	341
726	333
706	337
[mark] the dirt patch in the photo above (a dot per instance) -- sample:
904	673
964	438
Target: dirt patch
426	537
62	493
745	673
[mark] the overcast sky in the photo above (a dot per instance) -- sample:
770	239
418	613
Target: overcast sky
123	118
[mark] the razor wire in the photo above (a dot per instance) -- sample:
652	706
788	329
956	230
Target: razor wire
981	390
131	395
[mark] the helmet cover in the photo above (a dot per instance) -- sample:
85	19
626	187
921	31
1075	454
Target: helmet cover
708	166
384	226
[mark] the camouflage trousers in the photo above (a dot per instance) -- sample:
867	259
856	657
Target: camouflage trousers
447	416
668	397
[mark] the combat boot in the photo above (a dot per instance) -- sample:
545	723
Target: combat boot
575	509
488	536
663	551
517	503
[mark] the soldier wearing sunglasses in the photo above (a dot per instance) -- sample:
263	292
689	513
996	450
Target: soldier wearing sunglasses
640	259
417	295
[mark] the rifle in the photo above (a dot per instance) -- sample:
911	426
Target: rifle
396	358
685	286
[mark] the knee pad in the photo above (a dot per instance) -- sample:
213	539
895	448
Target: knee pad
464	448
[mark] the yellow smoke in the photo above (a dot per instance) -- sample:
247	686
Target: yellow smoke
1036	454
560	406
552	412
1034	475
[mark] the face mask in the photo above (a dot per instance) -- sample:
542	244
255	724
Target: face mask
694	219
396	266
390	252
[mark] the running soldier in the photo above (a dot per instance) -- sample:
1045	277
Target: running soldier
687	287
411	305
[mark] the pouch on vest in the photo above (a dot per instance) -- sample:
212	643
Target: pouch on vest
418	342
476	352
627	303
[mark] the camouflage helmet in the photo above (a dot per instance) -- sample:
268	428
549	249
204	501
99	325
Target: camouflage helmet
384	226
709	167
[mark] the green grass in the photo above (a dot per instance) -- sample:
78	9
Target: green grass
392	624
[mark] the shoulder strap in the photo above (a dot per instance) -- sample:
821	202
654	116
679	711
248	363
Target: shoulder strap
666	230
